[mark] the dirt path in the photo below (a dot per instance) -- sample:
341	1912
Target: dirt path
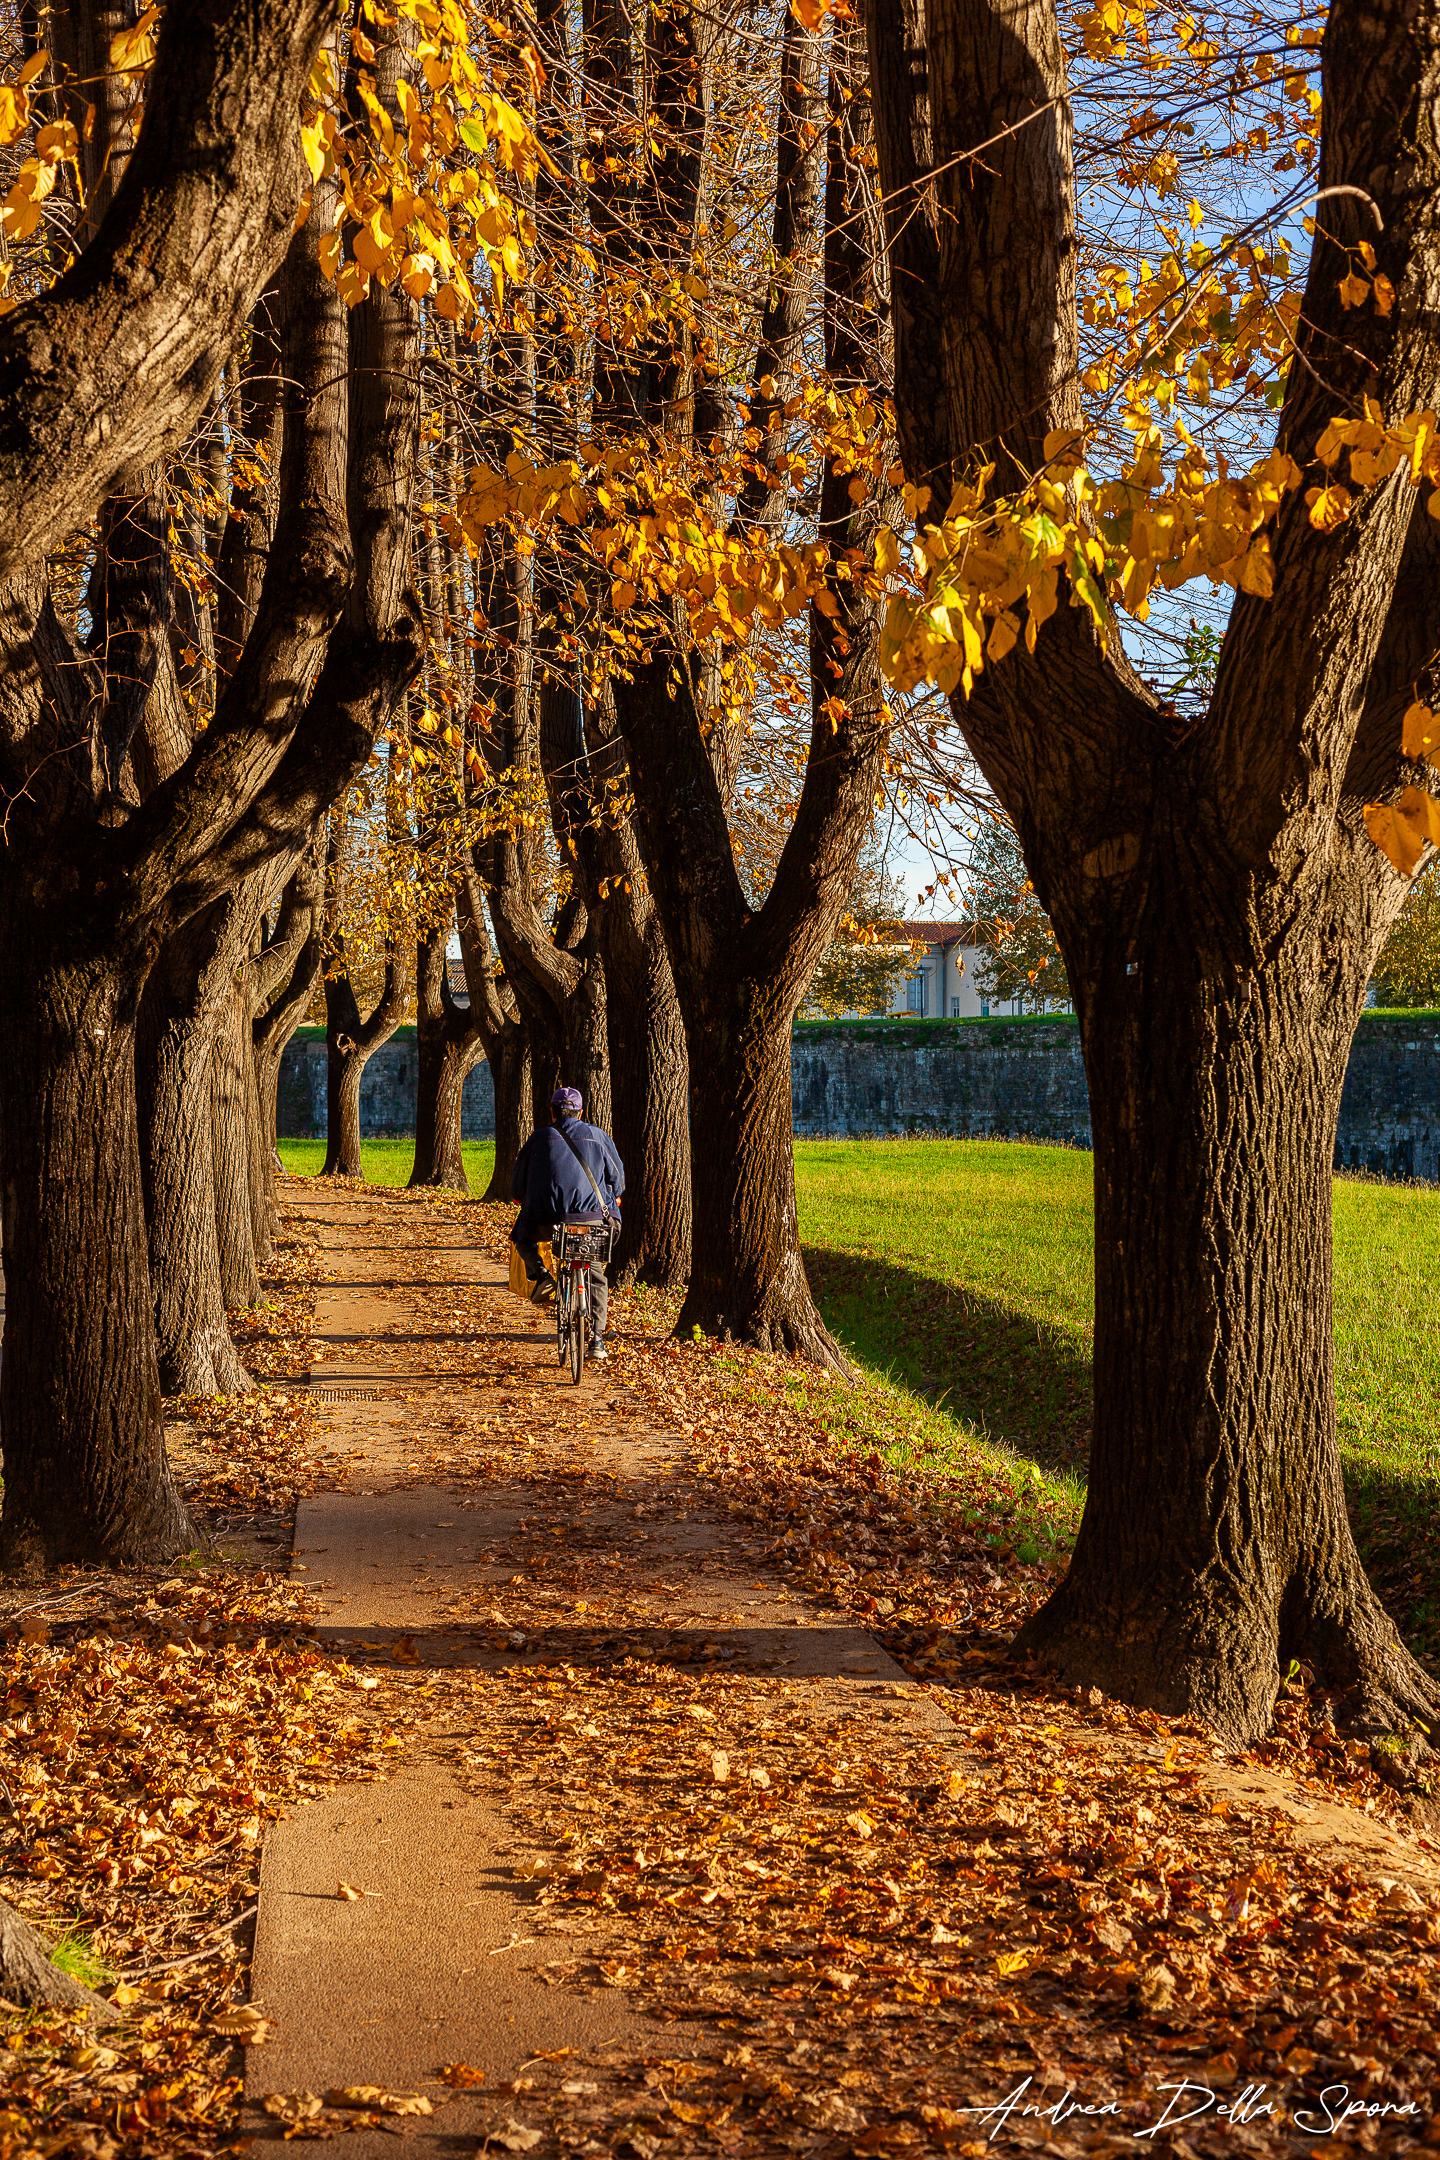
463	1461
678	1860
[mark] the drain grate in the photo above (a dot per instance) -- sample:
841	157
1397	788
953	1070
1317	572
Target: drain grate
347	1394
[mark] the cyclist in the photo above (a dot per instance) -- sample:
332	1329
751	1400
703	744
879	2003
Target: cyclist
550	1182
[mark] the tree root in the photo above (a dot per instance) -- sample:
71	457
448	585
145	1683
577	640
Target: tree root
1170	1660
29	1978
794	1334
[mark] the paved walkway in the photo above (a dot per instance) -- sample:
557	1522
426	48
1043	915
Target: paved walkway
470	1467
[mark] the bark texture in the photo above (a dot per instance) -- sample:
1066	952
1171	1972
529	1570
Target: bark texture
111	368
1215	893
179	1015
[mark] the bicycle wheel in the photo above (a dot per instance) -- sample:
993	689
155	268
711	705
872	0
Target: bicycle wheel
578	1304
562	1313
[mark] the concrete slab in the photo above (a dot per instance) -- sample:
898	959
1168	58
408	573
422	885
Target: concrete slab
438	1963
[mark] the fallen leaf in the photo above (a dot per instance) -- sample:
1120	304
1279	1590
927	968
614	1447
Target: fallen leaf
514	2136
460	2075
376	2096
719	1766
245	2025
292	2107
1112	1936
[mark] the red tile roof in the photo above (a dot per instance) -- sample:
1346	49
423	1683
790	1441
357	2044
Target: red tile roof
945	934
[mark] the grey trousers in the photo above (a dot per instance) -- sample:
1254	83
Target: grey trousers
599	1287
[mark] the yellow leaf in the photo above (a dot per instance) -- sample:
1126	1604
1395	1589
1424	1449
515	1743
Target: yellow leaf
1012	1961
312	142
14	113
887	552
1384	294
860	1824
1353	290
417	275
719	1766
1402	830
809	13
1419	731
1329	507
134	49
1257	569
349	1893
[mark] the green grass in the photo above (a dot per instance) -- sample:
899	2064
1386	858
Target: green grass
962	1271
387	1162
76	1955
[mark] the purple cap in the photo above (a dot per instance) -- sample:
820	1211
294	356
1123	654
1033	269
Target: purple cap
567	1102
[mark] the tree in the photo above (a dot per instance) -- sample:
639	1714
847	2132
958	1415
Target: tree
741	974
869	952
1214	888
1408	970
93	883
1021	958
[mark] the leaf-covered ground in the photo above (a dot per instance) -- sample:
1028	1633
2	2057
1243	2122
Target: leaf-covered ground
151	1725
865	1928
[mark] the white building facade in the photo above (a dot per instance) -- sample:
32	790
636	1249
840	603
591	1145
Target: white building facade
940	981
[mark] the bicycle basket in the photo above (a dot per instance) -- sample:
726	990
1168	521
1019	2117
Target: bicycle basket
583	1241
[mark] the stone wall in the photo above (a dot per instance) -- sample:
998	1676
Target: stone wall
387	1091
997	1079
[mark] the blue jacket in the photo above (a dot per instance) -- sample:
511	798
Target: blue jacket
550	1184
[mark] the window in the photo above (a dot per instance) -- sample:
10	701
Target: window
954	1008
984	1008
917	994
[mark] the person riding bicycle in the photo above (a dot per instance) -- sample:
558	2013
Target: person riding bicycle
550	1183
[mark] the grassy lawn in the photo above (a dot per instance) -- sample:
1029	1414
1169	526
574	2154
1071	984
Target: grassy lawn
961	1270
387	1162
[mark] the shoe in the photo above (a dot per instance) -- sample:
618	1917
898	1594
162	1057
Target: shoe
598	1351
544	1292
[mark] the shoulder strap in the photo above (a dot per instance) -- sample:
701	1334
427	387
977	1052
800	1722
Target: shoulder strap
585	1167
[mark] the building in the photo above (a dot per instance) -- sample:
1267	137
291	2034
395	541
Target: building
940	981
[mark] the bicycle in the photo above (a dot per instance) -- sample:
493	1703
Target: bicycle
575	1244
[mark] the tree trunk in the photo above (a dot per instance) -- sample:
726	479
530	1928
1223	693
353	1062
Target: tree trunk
649	1087
1215	1545
449	1047
272	1028
506	1040
86	1475
256	1152
349	1046
747	1276
509	1060
230	1100
179	1015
